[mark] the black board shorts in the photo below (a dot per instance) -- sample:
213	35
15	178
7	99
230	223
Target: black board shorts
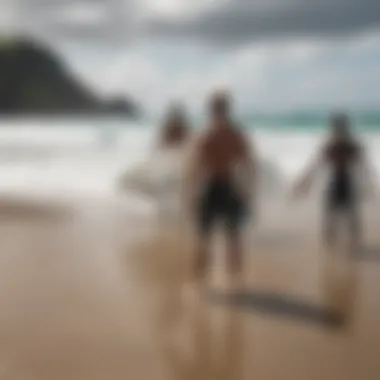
340	195
341	201
220	202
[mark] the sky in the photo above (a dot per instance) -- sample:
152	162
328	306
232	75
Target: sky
271	54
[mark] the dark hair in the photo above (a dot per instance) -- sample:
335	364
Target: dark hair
341	119
220	101
176	110
340	125
175	126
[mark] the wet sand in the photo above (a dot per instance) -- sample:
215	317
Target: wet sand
94	290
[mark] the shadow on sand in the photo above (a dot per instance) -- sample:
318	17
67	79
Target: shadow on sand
277	241
280	305
371	254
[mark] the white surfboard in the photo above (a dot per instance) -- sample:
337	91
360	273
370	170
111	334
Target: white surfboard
159	175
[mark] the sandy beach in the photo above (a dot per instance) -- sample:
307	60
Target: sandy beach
94	290
115	116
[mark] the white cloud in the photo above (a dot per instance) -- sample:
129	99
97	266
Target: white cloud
176	9
207	21
273	75
8	18
82	13
266	74
240	21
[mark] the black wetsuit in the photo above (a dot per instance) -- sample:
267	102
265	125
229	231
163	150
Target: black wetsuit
341	198
341	156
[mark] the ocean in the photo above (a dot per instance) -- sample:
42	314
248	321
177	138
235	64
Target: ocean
86	156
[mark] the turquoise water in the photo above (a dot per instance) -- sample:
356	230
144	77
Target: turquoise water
304	121
287	121
369	120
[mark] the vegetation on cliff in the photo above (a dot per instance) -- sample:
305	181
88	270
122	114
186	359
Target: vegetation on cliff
33	80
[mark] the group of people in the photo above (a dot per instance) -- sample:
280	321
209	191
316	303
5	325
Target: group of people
213	195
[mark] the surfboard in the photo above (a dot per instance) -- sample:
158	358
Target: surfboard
156	176
160	174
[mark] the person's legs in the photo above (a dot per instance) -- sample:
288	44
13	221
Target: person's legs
330	227
236	214
234	253
206	217
235	259
354	228
202	257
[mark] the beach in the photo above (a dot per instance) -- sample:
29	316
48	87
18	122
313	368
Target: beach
89	294
92	280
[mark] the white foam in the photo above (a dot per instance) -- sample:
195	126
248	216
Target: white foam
68	156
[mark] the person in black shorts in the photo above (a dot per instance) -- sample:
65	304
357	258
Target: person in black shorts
220	201
221	151
345	158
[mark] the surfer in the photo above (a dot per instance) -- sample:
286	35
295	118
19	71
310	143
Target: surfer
219	152
344	156
175	130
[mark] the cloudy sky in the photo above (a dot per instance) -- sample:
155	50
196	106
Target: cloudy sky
273	54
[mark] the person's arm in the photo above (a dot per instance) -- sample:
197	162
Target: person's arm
158	141
368	172
162	137
192	172
249	166
307	177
